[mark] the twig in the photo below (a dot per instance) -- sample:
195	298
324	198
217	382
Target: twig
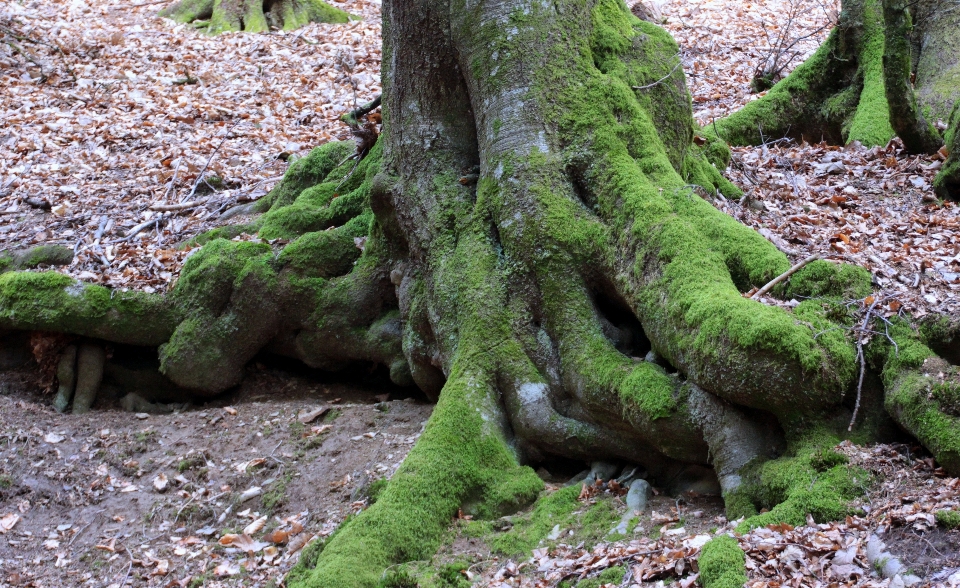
143	226
863	362
84	528
177	517
129	567
196	184
181	206
353	117
784	276
131	6
661	80
173	181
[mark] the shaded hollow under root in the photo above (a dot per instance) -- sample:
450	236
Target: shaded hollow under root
253	16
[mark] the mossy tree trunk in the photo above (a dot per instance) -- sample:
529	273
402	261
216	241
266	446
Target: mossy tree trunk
528	244
252	16
889	68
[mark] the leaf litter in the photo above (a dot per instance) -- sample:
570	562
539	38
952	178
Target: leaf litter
111	115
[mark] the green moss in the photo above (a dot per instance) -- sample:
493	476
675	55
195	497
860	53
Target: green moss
457	459
376	488
327	253
55	302
947	395
813	479
825	98
871	123
722	564
276	494
949	519
911	376
340	196
35	257
551	510
307	172
400	578
589	524
228	232
249	16
611	575
307	561
822	278
947	182
477	529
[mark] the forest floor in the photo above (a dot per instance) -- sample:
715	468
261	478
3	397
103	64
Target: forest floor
109	113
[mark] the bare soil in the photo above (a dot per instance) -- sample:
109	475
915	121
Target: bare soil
87	488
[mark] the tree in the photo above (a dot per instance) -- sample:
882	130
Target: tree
858	86
252	16
531	244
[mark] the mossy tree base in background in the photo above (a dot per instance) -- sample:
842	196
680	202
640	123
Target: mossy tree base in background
253	16
529	242
859	85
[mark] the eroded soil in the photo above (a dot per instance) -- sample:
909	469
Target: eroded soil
112	497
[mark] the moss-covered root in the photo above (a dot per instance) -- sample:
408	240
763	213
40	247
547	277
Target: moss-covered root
461	458
836	95
947	182
66	378
722	564
735	440
253	16
911	126
811	479
922	393
50	301
35	257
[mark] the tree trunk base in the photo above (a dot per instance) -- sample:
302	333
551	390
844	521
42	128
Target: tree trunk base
525	242
253	16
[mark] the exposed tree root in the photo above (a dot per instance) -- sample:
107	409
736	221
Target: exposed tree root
252	16
947	182
578	300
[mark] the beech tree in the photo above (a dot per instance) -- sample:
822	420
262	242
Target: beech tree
530	242
252	16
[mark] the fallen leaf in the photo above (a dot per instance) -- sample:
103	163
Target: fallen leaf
313	415
8	521
53	438
160	482
255	526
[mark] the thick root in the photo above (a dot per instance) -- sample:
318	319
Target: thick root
462	461
35	257
90	360
253	16
66	377
947	182
911	126
324	298
923	395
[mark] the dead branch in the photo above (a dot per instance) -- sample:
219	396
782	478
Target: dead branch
784	276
